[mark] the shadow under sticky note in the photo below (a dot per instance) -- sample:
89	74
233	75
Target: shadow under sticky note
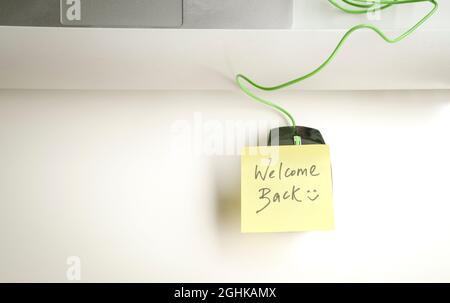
286	188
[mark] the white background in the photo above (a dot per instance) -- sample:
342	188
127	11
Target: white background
99	171
100	175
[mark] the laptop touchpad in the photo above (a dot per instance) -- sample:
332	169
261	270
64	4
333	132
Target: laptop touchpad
122	13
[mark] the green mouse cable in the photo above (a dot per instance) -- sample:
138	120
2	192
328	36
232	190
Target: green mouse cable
355	7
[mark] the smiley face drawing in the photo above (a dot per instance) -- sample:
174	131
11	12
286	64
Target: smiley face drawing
312	194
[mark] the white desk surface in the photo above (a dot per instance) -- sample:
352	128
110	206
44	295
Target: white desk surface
102	175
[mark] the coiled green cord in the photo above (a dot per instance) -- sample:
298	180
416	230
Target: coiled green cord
364	6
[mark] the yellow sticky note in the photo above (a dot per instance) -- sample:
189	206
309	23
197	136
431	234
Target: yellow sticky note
286	189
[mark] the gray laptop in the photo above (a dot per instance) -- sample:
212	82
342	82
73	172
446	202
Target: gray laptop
208	14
